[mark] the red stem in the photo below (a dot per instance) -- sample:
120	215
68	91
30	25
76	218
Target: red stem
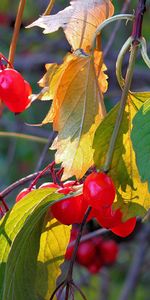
49	167
1	212
4	203
2	57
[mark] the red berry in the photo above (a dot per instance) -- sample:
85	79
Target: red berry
99	190
95	266
49	185
28	89
68	211
22	194
14	91
71	210
86	253
124	228
69	252
109	251
108	218
97	241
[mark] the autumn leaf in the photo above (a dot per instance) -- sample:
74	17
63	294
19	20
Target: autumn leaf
79	21
32	248
77	110
53	241
50	81
133	196
141	140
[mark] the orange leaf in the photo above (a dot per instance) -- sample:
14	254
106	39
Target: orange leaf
79	21
77	110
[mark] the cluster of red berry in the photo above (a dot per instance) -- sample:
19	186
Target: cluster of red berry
14	90
94	253
98	193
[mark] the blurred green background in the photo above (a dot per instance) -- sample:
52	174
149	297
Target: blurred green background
34	49
18	158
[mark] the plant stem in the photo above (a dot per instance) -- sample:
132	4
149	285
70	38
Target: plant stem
4	203
14	40
137	26
49	8
108	21
124	97
135	268
49	167
44	152
20	182
136	34
70	271
31	138
116	28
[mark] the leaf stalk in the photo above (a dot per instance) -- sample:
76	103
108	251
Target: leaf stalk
128	79
127	17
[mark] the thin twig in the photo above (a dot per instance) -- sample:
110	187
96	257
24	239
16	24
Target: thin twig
44	152
20	182
116	28
24	136
105	284
41	173
18	22
90	235
49	8
137	264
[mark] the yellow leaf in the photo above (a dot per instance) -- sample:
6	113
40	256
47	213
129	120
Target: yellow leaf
77	110
50	80
133	196
53	243
138	195
79	21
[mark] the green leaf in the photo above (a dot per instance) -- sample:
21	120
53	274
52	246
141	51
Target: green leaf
132	195
140	136
21	243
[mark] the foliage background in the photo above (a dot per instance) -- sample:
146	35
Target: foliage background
19	158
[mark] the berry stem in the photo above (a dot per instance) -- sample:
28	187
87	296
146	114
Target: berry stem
4	203
21	182
14	40
49	167
49	8
1	212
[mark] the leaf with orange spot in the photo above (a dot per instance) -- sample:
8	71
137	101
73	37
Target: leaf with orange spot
79	21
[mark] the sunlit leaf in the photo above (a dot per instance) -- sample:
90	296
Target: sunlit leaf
50	81
79	21
133	196
141	140
76	111
22	233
